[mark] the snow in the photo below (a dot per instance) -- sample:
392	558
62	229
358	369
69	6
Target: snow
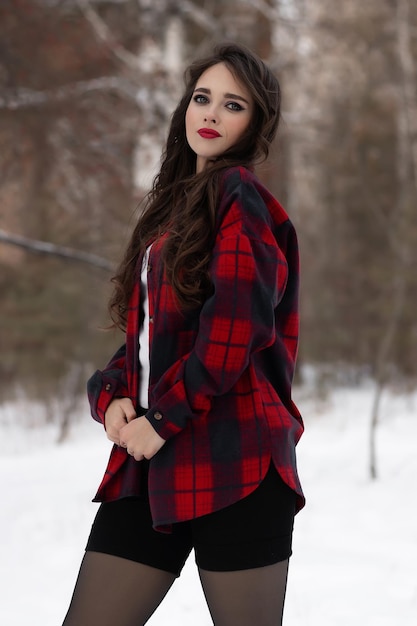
355	543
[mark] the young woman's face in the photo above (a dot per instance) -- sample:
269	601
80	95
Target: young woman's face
219	112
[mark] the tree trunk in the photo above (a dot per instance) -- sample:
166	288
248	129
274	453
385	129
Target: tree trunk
407	179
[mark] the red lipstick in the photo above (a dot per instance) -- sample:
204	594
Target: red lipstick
208	133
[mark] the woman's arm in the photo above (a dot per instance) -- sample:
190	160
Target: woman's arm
249	279
104	385
249	272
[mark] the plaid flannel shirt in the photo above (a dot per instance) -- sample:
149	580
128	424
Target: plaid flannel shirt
220	376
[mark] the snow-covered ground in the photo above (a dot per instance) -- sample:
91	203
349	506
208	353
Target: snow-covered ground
355	543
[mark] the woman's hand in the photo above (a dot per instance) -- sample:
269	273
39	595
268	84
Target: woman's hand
119	413
141	439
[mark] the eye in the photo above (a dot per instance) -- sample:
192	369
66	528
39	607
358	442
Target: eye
200	99
234	106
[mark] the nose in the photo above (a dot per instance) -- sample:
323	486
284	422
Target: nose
210	117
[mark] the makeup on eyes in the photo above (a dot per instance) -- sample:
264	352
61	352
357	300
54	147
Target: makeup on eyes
226	96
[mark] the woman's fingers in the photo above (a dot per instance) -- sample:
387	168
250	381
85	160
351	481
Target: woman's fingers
141	439
119	412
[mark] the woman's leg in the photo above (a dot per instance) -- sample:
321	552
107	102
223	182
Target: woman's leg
113	591
242	553
246	597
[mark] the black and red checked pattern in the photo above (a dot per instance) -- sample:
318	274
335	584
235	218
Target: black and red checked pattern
220	377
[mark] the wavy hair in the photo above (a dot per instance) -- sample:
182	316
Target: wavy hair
184	203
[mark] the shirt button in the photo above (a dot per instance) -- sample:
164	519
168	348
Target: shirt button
151	320
157	415
149	267
107	387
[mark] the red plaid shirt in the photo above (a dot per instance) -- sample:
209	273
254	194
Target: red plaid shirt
220	377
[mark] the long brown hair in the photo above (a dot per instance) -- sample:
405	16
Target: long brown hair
184	202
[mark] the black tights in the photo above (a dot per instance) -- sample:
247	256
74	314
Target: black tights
112	591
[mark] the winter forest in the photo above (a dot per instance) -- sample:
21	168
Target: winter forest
87	88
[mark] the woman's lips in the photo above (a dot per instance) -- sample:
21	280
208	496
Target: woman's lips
208	133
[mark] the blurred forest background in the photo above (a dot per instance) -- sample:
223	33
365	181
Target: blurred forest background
86	91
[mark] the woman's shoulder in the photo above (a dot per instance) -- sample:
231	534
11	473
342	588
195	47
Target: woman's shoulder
239	174
242	188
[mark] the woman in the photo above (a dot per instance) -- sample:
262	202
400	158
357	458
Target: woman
198	400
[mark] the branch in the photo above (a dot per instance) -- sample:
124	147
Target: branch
199	16
13	99
44	247
273	14
103	32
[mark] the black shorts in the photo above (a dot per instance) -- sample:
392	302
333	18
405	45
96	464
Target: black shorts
253	532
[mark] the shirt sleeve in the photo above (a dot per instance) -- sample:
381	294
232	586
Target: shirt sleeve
249	275
104	385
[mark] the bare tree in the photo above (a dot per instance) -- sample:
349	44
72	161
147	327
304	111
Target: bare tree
403	238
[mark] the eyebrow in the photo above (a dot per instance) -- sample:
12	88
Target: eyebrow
234	96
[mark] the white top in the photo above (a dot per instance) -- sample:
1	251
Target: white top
144	333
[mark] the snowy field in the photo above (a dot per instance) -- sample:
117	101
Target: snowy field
355	543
